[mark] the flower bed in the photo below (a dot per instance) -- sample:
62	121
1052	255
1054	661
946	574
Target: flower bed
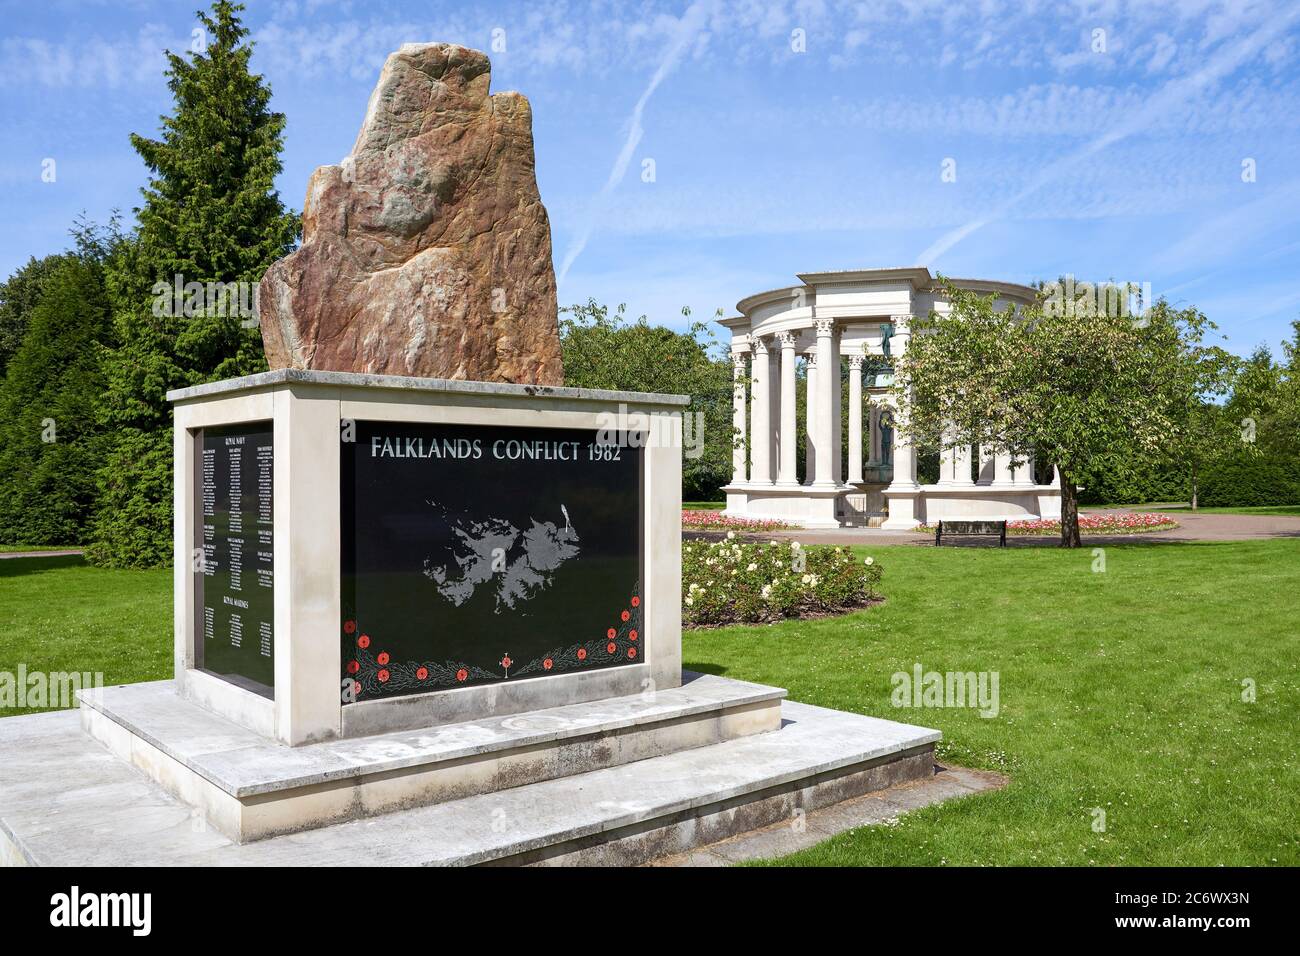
730	581
1125	522
693	520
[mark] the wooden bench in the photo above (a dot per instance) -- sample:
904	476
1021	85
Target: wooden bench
950	528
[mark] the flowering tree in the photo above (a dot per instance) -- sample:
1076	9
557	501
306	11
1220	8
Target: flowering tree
1079	387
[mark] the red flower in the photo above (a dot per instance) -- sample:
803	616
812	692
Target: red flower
353	667
363	641
582	653
547	664
356	688
631	635
462	674
349	627
611	633
636	601
506	662
625	615
422	673
383	676
383	657
611	647
631	653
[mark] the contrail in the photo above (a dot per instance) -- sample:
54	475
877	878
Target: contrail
1170	96
687	28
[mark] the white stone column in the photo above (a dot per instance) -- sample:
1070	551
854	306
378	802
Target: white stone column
903	496
1056	478
774	404
739	454
788	474
961	461
1025	472
810	420
1002	474
987	466
855	419
760	441
828	386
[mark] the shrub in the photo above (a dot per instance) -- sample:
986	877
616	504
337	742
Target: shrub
730	581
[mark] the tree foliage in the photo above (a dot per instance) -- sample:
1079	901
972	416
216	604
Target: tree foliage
609	351
51	443
1083	389
211	213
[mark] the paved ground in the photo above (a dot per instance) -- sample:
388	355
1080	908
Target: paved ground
1192	527
38	554
872	809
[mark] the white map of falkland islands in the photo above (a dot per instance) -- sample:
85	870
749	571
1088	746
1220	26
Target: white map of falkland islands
493	551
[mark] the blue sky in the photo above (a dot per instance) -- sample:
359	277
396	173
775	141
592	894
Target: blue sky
1104	139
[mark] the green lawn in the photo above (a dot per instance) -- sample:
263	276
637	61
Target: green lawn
59	614
704	505
1120	690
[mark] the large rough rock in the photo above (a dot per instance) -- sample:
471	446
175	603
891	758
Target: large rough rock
428	250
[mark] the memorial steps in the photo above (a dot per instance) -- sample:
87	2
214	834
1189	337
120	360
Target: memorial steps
619	781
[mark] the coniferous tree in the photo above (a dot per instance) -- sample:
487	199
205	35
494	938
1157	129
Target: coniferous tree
211	214
51	444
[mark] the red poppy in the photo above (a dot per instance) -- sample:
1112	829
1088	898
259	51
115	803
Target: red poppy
631	635
349	627
353	667
462	674
506	661
631	653
582	653
383	657
547	664
611	647
611	633
422	673
383	676
636	601
363	641
356	688
625	615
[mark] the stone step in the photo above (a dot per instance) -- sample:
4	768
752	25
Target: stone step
65	801
250	787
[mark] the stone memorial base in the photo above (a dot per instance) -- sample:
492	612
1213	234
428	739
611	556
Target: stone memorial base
155	780
426	622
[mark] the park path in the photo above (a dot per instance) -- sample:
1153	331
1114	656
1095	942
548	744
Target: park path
39	554
1191	527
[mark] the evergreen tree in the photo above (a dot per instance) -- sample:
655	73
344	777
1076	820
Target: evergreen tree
211	214
18	297
50	442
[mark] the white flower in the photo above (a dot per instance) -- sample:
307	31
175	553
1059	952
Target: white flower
731	535
806	579
752	567
767	590
868	560
774	543
690	600
794	545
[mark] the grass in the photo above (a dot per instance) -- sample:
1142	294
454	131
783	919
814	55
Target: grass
1119	690
60	614
704	505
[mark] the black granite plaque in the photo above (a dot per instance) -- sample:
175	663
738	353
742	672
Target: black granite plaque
478	555
234	576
